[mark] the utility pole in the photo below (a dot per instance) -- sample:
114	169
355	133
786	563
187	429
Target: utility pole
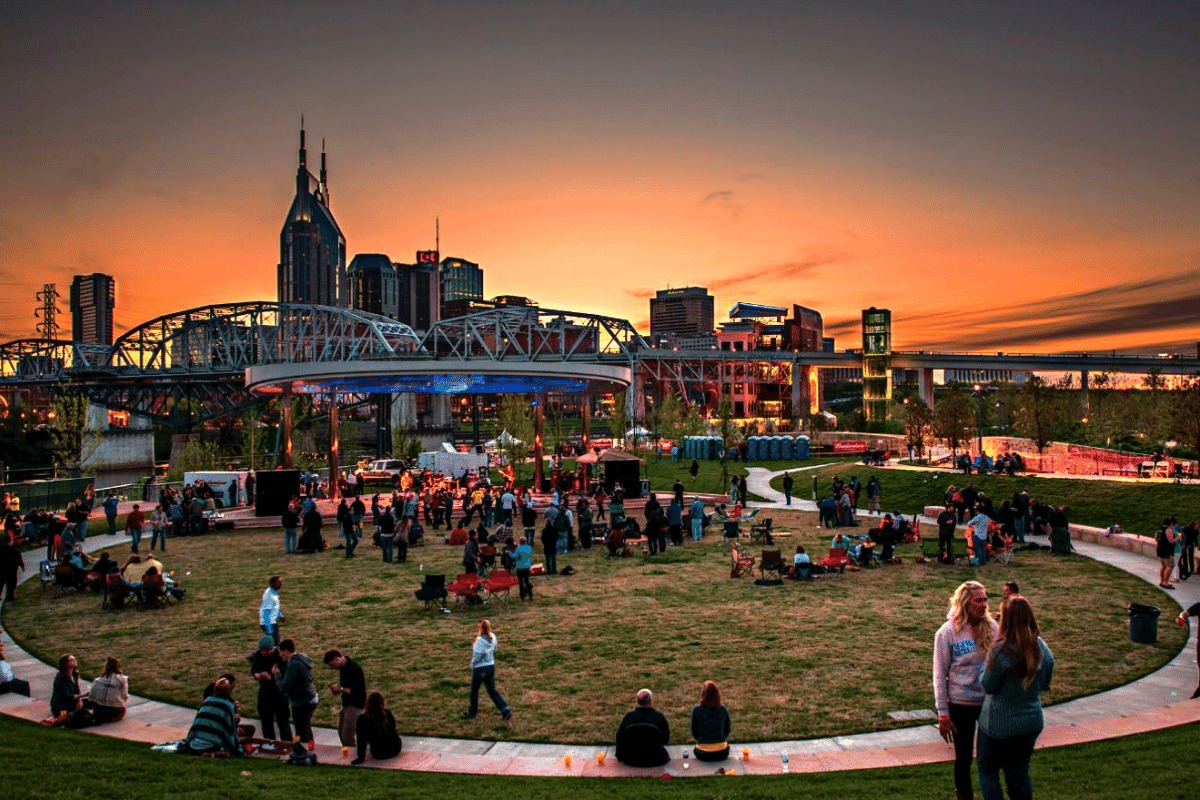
48	313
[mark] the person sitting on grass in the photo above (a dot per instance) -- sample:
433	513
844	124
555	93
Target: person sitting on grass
214	729
376	730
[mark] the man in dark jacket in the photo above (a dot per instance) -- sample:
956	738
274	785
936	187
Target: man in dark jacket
352	688
272	705
296	683
643	735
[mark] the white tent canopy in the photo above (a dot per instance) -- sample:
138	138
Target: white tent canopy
503	440
638	431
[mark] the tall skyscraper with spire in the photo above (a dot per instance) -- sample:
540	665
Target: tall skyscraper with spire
312	249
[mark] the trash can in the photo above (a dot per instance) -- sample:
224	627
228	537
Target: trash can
1143	623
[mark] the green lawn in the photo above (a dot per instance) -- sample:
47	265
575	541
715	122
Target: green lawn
796	661
1139	507
51	763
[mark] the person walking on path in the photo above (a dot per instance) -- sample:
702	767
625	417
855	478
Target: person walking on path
11	561
788	483
1164	546
110	513
873	492
483	671
1017	670
270	615
1182	620
133	526
959	647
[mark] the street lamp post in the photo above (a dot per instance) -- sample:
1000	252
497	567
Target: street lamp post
979	418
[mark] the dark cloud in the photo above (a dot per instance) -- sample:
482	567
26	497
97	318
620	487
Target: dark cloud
1134	307
724	200
762	276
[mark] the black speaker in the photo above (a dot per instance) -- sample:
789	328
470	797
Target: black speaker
273	489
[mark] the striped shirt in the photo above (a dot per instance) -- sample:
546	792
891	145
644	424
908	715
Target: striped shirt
215	727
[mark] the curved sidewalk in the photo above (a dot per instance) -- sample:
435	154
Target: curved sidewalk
1159	700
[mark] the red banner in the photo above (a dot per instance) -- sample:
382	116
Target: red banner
852	446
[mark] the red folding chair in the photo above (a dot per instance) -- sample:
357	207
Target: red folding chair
499	587
465	586
836	562
740	565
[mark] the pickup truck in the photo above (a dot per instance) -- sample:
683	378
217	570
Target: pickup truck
384	470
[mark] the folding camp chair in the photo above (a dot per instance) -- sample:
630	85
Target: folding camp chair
836	562
487	559
931	550
465	587
959	550
1002	555
115	591
153	592
433	592
498	587
46	575
762	531
771	563
740	566
64	579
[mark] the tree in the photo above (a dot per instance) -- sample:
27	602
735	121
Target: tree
618	417
918	424
1187	412
554	431
197	456
1040	415
517	421
954	419
74	439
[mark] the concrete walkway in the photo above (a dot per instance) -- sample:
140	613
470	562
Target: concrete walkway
1159	700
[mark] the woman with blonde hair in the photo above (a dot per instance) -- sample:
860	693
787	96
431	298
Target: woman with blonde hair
483	671
710	725
959	648
1017	670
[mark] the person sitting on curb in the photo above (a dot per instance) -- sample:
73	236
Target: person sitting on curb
9	683
643	734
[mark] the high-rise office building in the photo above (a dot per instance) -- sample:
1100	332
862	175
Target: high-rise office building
460	280
687	311
93	298
419	293
312	249
374	284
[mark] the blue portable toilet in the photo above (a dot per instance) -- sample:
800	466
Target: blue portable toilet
776	447
753	448
802	449
687	448
787	447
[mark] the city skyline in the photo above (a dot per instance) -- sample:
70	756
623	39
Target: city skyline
938	160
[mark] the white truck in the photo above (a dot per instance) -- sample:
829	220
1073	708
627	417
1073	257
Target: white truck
452	463
229	488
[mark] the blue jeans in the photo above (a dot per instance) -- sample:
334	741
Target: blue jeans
980	547
81	530
697	529
1012	756
487	677
112	524
290	540
551	554
272	631
135	537
1019	528
386	543
159	535
787	496
351	543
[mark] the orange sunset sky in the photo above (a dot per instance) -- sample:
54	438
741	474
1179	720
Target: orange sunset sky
1003	176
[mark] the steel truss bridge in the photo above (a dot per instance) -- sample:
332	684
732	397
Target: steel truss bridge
208	362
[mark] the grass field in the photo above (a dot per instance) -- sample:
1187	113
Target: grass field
1139	507
795	661
52	763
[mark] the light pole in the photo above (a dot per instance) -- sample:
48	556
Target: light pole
979	417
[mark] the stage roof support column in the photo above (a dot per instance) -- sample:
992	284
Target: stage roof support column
285	422
925	385
334	443
539	419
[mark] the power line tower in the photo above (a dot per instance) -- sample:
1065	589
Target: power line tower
48	313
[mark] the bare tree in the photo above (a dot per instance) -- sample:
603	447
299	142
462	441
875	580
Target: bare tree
954	419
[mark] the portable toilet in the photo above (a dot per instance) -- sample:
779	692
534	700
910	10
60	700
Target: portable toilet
775	447
787	448
755	448
802	448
